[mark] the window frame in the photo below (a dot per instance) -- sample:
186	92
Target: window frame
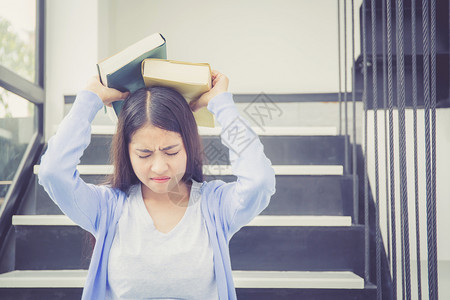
35	93
31	91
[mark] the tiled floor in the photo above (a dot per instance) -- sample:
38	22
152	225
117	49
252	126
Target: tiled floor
443	280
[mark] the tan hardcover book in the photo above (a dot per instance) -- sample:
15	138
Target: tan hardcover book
190	79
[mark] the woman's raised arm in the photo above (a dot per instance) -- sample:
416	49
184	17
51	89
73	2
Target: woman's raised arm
244	199
83	203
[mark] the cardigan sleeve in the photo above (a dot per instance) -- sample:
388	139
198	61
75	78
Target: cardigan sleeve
83	203
242	200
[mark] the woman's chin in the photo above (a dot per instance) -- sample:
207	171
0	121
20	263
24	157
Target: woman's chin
159	187
163	187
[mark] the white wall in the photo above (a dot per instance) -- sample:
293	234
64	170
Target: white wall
262	46
71	53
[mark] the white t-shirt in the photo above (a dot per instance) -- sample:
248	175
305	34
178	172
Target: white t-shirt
145	263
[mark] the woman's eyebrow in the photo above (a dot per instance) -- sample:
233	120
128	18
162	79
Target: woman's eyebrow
169	147
144	150
163	149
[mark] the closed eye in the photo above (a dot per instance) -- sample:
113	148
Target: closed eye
171	154
146	153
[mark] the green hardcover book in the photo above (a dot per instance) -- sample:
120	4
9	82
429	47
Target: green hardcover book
122	71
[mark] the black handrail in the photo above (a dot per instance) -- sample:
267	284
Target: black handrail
393	42
21	180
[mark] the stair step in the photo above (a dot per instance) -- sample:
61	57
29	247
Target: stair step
295	279
301	221
298	248
62	220
226	169
295	195
368	293
242	279
274	131
57	245
311	195
53	247
281	149
43	279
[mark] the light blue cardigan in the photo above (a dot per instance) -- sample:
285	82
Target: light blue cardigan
226	207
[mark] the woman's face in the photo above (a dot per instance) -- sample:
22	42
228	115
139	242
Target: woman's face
158	158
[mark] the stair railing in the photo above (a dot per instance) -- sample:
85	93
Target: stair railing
392	91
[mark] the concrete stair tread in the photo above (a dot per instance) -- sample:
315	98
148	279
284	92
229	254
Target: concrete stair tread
275	131
298	279
226	169
261	220
242	279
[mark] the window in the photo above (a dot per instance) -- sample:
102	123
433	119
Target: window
18	37
21	93
17	126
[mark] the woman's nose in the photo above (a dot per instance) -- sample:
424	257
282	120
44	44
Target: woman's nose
159	165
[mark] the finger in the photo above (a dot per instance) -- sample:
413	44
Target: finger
116	94
216	80
194	107
96	78
192	104
214	74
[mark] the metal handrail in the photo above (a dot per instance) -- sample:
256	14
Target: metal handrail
396	36
21	180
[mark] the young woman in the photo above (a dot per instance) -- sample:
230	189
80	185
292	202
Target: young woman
161	231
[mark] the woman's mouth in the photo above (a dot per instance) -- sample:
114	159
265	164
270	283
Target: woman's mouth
160	179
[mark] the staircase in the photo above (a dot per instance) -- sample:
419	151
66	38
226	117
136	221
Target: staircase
303	245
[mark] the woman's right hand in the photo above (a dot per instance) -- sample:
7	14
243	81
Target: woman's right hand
107	95
219	85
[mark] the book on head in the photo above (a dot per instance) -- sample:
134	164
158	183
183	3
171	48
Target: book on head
122	71
191	80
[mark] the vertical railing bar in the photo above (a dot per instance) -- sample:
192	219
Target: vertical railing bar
426	90
416	178
402	239
391	146
402	219
354	162
386	160
433	147
339	66
346	159
366	179
375	128
402	144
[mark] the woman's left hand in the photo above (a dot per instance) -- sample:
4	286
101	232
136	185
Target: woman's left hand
219	85
106	94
